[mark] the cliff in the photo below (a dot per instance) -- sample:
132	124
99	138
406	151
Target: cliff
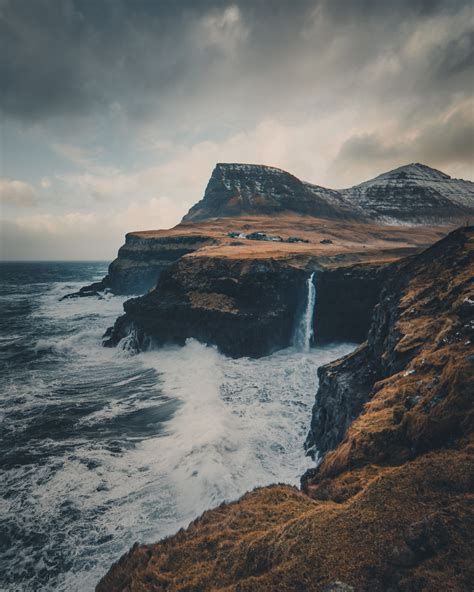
143	257
249	307
246	308
410	371
390	507
245	198
245	296
141	260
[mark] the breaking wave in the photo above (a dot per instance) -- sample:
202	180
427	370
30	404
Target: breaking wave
101	448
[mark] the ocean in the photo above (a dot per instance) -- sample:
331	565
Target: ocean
100	448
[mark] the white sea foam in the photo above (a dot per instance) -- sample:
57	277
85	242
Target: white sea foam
228	426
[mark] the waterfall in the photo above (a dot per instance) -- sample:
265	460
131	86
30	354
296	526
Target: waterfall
304	331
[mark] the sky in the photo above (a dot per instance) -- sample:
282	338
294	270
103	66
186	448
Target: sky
114	112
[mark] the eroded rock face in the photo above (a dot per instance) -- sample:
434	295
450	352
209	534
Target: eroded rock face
141	260
244	307
389	509
248	307
413	194
422	319
345	300
238	189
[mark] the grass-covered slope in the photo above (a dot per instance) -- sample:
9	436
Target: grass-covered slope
391	507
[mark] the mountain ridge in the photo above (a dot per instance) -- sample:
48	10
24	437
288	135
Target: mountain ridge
235	189
413	193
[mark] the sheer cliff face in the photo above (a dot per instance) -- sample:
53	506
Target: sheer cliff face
238	189
250	307
389	509
141	260
245	308
412	194
407	386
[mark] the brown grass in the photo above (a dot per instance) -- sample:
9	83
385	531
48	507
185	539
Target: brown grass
351	241
390	509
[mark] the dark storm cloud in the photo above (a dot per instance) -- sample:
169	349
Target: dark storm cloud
441	143
367	147
68	57
65	56
114	112
450	141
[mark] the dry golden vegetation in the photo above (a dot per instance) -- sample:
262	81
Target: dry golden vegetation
391	508
352	241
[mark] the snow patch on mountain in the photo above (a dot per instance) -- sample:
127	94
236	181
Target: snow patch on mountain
410	194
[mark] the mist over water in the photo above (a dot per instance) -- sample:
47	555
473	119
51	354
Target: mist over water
100	448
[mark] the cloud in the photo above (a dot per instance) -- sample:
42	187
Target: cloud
450	139
50	239
17	193
223	29
182	176
120	109
445	142
79	58
81	235
74	154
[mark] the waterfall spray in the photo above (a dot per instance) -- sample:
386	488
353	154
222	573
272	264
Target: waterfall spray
305	331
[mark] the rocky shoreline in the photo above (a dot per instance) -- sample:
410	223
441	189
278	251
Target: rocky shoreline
248	307
389	507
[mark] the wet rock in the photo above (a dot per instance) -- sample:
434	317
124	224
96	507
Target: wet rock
338	586
403	556
246	308
94	289
467	308
346	297
249	307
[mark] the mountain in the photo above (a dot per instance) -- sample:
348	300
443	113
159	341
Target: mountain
411	194
244	199
251	189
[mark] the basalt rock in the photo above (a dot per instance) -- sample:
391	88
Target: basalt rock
411	194
141	260
245	307
389	509
94	289
243	189
345	300
409	358
248	307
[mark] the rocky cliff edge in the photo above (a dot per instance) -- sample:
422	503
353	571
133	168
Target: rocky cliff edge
390	508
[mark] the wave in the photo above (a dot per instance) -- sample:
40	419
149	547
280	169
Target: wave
101	448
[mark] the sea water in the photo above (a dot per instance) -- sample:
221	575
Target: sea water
100	448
